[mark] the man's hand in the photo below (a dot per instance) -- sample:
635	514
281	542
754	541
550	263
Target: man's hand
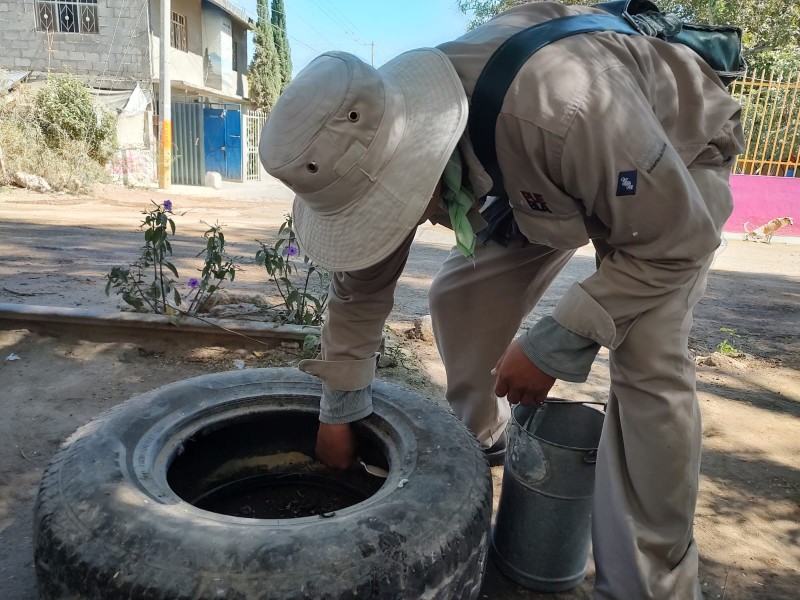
336	445
519	379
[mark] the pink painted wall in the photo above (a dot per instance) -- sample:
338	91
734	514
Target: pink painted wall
758	199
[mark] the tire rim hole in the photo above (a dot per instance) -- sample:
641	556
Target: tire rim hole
262	467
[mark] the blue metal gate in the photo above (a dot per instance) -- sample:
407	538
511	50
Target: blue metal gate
222	141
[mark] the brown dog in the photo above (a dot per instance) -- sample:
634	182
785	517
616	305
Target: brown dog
767	230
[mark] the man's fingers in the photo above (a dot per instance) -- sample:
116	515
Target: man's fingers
499	363
500	388
514	396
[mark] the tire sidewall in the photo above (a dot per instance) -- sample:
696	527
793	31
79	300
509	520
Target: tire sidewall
106	521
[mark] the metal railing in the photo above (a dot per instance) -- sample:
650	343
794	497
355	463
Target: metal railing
771	121
253	123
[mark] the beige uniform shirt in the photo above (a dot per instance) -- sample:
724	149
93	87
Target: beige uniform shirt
600	136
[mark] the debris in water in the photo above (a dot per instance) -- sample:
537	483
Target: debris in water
373	470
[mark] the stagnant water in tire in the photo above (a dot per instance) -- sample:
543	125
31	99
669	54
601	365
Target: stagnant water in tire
262	467
283	496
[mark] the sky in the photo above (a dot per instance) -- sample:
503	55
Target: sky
315	26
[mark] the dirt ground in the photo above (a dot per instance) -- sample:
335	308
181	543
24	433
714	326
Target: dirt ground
56	251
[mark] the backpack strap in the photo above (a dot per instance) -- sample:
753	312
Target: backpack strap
502	68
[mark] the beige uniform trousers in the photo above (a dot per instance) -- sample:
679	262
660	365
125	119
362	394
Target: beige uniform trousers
649	456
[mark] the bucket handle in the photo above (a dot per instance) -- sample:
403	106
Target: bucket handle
557	401
539	408
590	457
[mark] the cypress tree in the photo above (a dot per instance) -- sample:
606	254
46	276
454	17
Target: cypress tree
264	76
282	42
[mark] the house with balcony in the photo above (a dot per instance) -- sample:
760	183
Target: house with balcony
114	46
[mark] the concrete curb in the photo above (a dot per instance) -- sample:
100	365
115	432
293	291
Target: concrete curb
55	315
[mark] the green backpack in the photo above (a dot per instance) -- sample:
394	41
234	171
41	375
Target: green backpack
719	45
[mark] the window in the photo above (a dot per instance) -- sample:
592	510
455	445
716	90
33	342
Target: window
70	16
234	58
178	35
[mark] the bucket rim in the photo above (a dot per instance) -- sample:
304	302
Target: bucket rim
559	401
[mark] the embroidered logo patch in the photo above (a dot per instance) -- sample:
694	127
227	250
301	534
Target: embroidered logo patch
536	202
626	183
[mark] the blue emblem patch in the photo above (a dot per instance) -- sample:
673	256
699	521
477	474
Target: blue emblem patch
626	183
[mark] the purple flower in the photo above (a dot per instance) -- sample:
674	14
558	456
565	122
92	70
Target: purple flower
291	250
168	206
194	283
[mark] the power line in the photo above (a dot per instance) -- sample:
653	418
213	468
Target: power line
339	23
334	20
304	21
346	18
254	19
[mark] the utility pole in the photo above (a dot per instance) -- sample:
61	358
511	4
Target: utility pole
373	53
165	99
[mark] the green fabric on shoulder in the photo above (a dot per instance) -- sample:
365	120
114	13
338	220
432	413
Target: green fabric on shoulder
458	199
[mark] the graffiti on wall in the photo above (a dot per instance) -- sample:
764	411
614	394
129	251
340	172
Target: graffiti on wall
133	166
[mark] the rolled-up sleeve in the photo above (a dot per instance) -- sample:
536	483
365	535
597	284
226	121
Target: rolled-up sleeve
358	304
559	352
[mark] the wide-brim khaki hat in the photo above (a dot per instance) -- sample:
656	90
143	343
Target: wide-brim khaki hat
363	149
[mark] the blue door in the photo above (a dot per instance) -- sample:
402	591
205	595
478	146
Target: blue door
214	139
233	144
222	141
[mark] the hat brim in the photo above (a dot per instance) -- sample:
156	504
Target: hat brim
374	226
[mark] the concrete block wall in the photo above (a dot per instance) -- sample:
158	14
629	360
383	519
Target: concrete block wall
118	53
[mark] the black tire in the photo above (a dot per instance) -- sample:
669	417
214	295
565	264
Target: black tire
108	525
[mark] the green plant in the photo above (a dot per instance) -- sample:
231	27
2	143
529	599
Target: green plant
278	21
397	355
312	344
726	347
67	167
264	76
66	112
217	268
147	284
303	289
144	282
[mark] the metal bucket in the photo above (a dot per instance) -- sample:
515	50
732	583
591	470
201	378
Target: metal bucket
542	533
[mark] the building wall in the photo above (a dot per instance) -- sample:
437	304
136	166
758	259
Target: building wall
190	67
135	161
118	54
189	9
758	199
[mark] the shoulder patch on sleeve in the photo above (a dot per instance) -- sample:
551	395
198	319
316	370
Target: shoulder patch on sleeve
626	183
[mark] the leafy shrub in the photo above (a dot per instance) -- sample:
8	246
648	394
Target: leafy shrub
147	284
303	288
66	112
67	167
726	347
